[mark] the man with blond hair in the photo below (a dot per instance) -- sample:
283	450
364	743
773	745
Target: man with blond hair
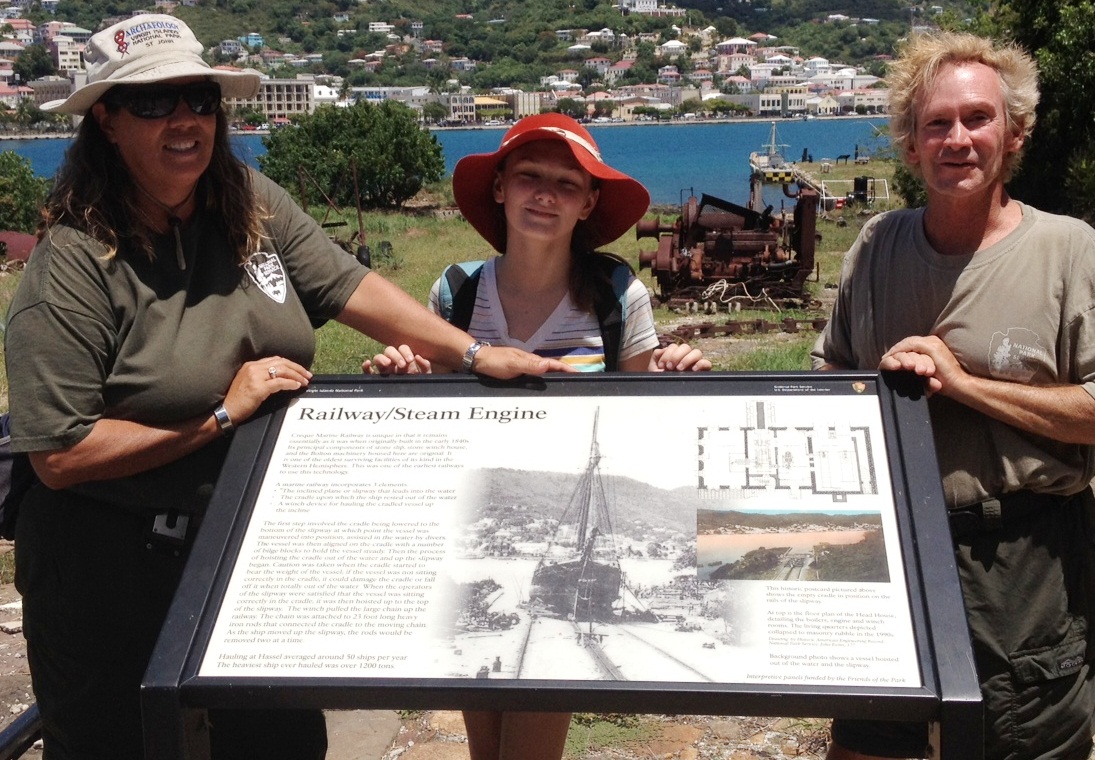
992	303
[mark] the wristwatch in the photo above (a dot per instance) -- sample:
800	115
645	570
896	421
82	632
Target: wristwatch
469	356
223	419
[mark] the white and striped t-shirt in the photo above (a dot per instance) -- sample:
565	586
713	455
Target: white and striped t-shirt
570	335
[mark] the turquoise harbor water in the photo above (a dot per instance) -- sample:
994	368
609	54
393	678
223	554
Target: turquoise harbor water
674	161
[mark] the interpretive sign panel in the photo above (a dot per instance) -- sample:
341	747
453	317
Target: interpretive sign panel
754	540
738	543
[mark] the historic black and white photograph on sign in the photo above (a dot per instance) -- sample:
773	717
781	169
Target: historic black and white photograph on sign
590	569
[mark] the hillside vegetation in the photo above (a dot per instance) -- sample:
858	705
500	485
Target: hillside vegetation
515	41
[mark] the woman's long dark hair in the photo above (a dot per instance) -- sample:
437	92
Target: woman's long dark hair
94	193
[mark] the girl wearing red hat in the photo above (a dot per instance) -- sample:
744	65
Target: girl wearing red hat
546	200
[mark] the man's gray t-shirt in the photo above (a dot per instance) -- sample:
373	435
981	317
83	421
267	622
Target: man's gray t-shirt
1022	310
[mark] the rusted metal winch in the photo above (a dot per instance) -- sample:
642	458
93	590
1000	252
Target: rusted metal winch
718	252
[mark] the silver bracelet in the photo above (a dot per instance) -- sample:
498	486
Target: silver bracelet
223	419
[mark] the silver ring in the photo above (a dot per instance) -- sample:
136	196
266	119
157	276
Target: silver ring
273	371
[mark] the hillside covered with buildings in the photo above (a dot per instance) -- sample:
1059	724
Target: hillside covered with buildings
635	59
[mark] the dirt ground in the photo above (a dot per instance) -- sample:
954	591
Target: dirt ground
15	691
440	736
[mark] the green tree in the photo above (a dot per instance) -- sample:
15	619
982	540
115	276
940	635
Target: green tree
251	116
571	108
1056	173
722	107
33	63
727	27
640	73
434	112
22	193
337	63
692	105
909	187
392	155
604	108
648	111
507	72
27	113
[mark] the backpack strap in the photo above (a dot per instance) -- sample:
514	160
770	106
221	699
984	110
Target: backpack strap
610	303
460	282
456	294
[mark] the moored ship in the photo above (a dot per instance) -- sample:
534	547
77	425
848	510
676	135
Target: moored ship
579	575
769	164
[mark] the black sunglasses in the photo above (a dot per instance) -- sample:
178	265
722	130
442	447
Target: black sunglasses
160	100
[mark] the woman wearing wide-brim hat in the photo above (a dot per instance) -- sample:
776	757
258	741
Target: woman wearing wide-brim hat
172	292
546	200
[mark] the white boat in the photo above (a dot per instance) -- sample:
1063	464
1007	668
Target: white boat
769	163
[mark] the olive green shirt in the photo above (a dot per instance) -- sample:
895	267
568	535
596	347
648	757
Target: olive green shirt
143	340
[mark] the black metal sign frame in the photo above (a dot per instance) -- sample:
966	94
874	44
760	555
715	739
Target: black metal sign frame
175	697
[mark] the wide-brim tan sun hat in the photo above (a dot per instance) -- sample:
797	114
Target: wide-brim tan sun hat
145	49
622	201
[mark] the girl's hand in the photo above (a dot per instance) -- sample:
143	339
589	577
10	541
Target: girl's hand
678	357
399	360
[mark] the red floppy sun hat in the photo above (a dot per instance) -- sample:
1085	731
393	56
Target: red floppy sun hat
622	201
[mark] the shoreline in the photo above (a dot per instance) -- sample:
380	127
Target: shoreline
37	136
27	136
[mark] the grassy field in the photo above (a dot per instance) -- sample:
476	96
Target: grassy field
421	245
840	178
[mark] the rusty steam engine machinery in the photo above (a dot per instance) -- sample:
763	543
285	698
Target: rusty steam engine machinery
719	255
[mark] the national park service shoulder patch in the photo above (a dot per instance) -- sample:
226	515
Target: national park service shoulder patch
266	271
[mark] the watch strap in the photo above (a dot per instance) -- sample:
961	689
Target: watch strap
468	363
